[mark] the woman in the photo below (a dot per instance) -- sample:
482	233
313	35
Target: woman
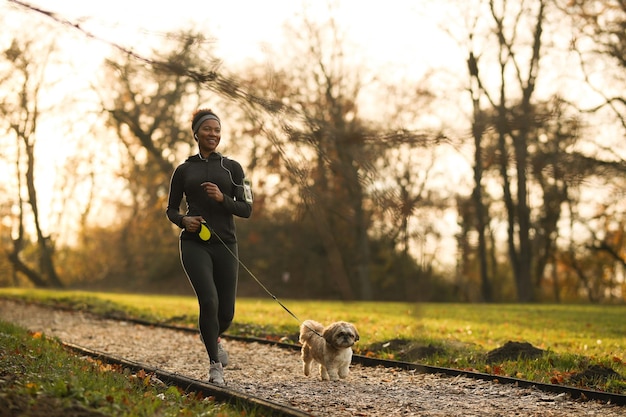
215	190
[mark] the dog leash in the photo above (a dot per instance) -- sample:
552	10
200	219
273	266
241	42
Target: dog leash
264	287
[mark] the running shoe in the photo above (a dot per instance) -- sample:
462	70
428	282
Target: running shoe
216	374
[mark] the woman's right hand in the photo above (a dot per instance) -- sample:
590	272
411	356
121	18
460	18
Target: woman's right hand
192	223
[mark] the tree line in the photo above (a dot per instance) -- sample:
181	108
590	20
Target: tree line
348	204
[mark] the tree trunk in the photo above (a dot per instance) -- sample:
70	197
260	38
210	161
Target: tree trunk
45	249
478	127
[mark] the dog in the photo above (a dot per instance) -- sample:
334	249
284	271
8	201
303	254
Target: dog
330	347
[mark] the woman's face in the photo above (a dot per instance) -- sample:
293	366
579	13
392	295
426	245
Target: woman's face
209	136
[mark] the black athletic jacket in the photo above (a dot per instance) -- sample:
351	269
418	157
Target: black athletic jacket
186	180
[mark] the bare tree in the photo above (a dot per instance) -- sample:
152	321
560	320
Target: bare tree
21	109
512	125
323	146
148	108
324	94
604	23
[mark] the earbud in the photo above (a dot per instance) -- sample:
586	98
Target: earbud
195	136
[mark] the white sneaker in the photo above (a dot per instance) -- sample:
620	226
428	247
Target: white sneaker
222	355
216	374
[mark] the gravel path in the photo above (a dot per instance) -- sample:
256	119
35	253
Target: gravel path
275	374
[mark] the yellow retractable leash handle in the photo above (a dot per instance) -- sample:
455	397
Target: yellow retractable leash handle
205	232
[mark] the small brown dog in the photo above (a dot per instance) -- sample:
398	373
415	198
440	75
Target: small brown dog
329	346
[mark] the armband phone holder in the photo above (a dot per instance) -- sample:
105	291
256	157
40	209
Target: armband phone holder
247	190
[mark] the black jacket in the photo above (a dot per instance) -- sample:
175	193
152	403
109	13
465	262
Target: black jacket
186	180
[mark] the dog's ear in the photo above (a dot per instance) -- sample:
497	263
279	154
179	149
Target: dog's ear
356	332
329	332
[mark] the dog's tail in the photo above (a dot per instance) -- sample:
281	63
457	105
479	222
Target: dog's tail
308	329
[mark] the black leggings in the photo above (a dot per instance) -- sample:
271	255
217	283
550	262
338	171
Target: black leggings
213	272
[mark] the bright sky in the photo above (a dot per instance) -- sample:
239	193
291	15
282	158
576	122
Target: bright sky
394	33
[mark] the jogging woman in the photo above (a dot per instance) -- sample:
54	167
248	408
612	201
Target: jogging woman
215	190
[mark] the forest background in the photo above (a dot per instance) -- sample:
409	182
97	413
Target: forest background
503	181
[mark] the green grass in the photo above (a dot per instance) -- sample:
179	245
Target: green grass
455	335
38	376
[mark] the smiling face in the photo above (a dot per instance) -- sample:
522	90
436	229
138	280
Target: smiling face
209	136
